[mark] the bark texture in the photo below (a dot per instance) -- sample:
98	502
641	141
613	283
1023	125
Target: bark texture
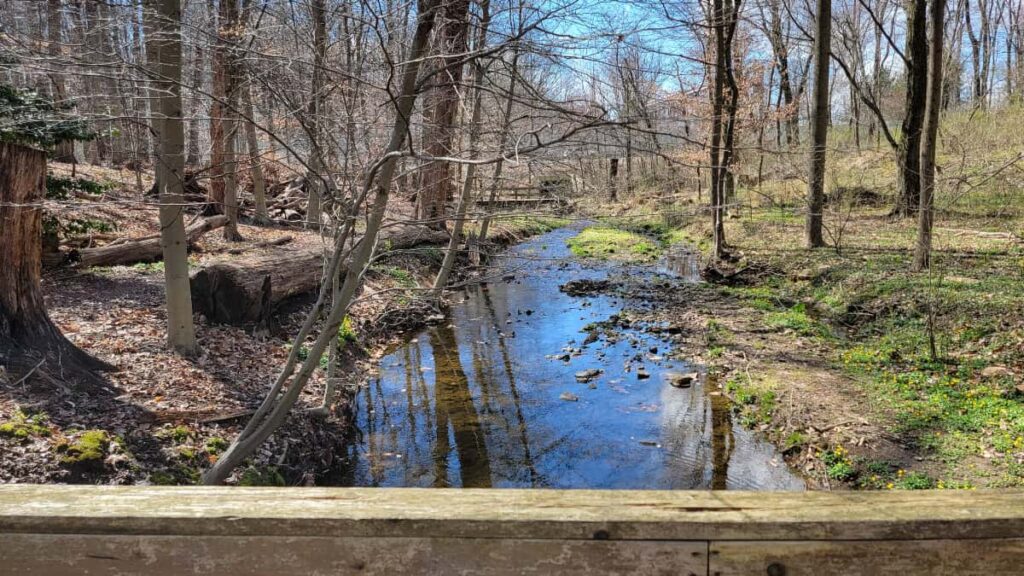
929	144
149	249
29	340
440	110
819	126
908	153
245	291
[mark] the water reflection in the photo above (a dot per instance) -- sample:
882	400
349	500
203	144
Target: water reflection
478	403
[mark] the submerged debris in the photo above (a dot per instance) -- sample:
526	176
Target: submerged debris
585	286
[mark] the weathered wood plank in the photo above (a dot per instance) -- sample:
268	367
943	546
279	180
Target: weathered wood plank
988	557
67	555
537	514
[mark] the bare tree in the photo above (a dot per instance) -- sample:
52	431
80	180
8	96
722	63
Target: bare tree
929	145
819	125
316	187
379	179
169	129
440	108
724	98
224	117
908	153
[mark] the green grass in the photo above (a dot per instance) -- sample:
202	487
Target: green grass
755	400
794	319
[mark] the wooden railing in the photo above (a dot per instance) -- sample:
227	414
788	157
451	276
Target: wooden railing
57	530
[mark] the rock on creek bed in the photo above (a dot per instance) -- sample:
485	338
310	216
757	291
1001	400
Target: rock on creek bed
532	386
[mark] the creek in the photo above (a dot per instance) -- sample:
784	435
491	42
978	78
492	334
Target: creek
504	394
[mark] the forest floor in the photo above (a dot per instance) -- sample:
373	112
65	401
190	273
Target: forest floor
166	417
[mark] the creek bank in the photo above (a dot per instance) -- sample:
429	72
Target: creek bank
170	416
780	383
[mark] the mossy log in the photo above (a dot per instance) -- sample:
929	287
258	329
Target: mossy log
146	249
246	290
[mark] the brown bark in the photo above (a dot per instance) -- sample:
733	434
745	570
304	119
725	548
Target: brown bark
922	253
781	51
724	18
198	65
67	151
29	340
142	249
221	116
909	151
439	112
819	126
316	177
613	179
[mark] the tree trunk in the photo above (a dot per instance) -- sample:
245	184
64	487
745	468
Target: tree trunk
440	108
194	154
29	341
259	185
315	177
781	51
909	152
170	176
613	179
465	198
220	114
731	108
819	126
922	254
68	150
228	34
503	135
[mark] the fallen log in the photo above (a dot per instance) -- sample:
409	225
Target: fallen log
247	290
145	249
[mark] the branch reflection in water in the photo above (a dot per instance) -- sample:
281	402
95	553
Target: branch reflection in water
479	402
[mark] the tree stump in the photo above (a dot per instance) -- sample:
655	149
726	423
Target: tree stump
29	341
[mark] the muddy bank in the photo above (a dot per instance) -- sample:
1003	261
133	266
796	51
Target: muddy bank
779	382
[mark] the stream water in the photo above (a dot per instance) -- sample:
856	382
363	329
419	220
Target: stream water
490	399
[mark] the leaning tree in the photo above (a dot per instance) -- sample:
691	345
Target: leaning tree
30	343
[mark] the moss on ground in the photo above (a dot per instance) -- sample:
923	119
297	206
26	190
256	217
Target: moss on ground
604	242
22	426
90	446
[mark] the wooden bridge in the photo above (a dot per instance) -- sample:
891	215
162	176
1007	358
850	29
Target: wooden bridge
64	530
549	191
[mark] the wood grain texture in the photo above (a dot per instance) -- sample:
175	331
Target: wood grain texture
535	514
67	555
988	557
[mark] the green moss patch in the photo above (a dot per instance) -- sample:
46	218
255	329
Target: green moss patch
612	243
91	446
23	427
